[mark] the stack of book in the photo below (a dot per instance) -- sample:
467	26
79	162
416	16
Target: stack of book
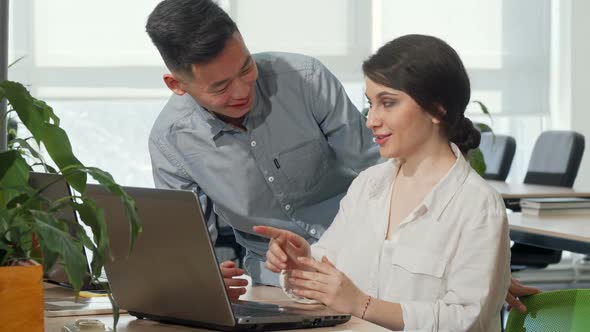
555	206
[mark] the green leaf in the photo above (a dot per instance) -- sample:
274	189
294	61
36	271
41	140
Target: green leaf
18	200
477	161
484	128
46	111
21	101
484	109
48	168
4	218
50	257
19	235
59	148
14	175
58	241
116	308
25	145
93	217
35	115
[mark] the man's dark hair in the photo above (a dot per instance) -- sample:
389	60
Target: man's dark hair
188	32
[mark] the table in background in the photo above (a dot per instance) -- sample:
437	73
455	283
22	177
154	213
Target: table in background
513	192
560	232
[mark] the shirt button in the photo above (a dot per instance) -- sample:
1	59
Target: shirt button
287	207
313	231
271	179
253	143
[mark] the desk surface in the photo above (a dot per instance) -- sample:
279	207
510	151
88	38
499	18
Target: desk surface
563	232
521	190
129	323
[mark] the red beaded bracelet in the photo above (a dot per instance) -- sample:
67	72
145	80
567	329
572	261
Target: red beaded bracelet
366	306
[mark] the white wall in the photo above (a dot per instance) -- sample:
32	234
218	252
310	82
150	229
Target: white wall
580	81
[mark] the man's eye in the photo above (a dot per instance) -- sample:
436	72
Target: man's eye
221	90
247	70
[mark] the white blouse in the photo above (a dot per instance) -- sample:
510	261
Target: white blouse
448	262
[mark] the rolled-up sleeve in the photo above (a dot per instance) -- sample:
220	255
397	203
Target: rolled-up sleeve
169	173
478	279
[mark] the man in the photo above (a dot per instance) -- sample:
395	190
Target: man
265	139
270	139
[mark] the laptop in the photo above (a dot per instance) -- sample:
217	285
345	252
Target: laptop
173	276
55	303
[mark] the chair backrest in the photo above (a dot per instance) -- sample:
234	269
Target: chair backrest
557	311
498	153
556	158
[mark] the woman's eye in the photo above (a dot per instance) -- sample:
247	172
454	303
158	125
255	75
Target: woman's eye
389	103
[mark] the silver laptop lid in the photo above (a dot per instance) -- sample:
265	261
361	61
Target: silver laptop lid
172	271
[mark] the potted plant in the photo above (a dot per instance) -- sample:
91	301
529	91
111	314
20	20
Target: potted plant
31	232
476	158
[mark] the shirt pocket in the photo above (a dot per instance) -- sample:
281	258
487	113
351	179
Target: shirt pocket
418	272
303	165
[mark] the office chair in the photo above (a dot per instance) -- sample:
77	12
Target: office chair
555	161
498	152
556	158
557	311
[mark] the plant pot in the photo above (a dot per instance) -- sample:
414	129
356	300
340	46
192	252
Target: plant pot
21	298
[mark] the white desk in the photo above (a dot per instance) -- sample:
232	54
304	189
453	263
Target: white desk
561	232
521	190
513	192
129	323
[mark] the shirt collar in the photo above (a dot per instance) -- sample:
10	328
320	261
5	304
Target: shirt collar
439	197
443	192
216	125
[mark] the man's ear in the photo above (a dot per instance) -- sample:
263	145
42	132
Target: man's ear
173	84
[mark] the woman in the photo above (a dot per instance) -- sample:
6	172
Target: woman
421	241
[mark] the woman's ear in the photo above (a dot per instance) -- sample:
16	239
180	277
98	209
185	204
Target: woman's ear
440	113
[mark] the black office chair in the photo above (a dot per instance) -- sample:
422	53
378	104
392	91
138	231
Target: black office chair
498	152
555	161
556	158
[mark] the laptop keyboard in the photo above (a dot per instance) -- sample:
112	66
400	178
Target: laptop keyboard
250	309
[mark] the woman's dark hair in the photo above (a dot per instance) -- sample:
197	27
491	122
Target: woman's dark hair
431	72
188	32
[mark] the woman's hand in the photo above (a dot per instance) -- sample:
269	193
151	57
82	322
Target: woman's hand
284	248
329	286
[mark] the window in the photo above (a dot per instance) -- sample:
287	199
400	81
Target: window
94	63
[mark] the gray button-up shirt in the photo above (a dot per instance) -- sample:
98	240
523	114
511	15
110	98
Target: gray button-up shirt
303	145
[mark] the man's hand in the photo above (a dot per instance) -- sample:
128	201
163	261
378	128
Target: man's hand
235	286
517	289
284	248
